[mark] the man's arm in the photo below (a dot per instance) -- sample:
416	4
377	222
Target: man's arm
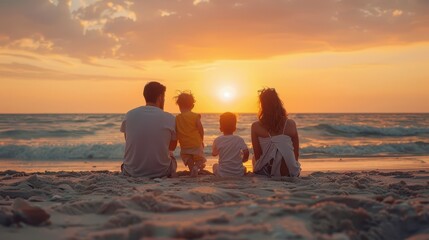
173	141
123	128
173	145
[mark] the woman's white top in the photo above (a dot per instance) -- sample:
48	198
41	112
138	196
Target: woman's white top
278	148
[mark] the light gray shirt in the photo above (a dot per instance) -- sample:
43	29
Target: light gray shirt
149	131
229	148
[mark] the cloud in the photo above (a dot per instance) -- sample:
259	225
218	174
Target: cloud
217	29
20	56
196	2
43	27
20	71
397	13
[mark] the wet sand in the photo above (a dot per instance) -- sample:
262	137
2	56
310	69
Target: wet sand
308	165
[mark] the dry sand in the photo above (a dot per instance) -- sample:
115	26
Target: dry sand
320	205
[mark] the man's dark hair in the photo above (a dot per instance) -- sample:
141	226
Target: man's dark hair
152	90
228	122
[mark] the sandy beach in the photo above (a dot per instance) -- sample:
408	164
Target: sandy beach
336	204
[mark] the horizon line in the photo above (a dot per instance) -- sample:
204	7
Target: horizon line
94	113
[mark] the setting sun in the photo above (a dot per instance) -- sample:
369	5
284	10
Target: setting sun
227	94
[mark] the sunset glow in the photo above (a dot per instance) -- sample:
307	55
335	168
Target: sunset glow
227	94
321	56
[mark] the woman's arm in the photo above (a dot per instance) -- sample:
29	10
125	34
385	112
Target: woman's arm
295	140
257	151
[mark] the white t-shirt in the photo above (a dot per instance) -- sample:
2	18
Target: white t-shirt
229	149
149	131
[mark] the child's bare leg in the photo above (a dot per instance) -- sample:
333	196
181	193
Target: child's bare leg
201	164
194	172
191	165
245	170
193	168
185	158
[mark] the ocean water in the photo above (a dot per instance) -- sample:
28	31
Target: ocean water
57	137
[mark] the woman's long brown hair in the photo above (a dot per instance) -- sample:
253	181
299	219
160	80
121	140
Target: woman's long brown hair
271	111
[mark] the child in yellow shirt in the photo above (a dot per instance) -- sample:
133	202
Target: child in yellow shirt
190	134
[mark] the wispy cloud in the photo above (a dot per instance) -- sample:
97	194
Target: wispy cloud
20	71
19	56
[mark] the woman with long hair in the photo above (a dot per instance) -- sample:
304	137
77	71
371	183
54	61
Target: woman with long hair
274	138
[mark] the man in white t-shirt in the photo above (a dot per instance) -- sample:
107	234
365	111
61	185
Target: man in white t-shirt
150	135
232	149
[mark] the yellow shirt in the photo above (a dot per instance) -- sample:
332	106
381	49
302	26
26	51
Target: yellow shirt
187	131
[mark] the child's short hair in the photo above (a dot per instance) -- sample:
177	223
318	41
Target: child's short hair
185	99
228	122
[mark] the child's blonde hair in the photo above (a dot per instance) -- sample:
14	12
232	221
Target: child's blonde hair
185	99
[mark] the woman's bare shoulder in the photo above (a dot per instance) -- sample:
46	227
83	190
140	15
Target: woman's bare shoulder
291	122
257	125
258	129
291	129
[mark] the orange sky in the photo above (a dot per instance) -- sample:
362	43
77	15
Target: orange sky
321	56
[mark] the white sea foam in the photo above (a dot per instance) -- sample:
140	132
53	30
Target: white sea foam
116	151
97	136
368	131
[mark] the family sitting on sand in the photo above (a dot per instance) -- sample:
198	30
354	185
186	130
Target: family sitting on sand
151	136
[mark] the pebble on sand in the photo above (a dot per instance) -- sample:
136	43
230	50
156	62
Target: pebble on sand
25	212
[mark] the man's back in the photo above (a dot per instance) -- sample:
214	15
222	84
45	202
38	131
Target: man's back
148	132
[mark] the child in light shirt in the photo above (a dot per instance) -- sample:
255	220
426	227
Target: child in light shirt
232	149
190	134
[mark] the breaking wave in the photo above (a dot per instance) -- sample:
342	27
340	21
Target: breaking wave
368	131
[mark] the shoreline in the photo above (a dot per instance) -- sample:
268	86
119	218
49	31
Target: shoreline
308	165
